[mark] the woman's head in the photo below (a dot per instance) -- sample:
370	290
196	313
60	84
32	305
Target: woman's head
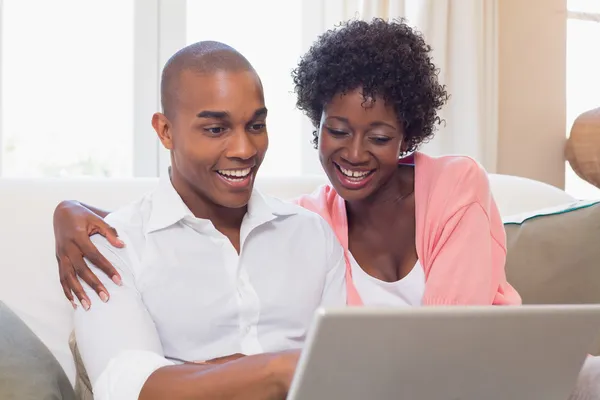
372	91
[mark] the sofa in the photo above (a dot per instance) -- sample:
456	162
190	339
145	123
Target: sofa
29	282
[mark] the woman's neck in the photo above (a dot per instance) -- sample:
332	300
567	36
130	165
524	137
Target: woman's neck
381	208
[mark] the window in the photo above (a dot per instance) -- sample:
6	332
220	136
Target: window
583	77
79	80
66	88
273	45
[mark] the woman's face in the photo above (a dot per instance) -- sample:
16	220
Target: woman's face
360	142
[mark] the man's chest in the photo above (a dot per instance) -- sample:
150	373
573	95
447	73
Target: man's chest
207	292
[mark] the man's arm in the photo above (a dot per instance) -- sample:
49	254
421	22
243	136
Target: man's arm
260	377
123	356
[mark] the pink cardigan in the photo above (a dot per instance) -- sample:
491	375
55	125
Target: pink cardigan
460	237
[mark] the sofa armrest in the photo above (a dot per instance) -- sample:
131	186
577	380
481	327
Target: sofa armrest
28	370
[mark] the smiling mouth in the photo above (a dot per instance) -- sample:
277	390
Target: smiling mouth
355	176
235	175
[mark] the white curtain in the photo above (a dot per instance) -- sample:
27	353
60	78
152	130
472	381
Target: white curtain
462	34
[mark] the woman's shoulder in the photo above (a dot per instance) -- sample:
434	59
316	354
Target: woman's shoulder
321	200
459	166
452	177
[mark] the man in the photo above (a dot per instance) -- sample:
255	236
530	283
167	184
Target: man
210	268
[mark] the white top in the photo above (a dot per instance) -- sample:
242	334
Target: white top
188	295
408	291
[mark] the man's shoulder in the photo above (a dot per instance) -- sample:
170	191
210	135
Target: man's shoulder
130	222
132	215
303	222
307	232
294	212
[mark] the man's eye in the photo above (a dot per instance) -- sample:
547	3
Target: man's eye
258	126
215	130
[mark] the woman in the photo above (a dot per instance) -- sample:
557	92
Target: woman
419	231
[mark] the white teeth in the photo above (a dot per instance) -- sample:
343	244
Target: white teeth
235	173
354	174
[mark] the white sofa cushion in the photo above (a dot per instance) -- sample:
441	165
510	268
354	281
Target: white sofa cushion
29	281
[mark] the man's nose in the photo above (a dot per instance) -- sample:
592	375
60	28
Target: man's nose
241	146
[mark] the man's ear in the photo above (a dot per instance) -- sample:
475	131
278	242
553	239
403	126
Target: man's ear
162	126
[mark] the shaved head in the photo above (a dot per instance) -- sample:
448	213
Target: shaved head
201	58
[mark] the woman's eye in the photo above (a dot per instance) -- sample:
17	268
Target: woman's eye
381	140
335	132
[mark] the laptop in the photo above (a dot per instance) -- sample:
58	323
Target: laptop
446	353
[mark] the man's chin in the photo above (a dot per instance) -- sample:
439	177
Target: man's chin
235	204
234	199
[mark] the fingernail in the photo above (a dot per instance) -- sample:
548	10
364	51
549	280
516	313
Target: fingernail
74	305
85	305
103	297
117	279
120	242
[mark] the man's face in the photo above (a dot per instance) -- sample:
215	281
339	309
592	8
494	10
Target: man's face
218	135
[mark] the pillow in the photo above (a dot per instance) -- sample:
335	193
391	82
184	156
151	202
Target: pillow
554	255
28	370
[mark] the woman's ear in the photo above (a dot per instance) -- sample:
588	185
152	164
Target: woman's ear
403	148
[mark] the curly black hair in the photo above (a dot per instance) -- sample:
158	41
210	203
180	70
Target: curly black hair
387	59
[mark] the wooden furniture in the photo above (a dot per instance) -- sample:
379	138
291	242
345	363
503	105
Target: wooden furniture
582	150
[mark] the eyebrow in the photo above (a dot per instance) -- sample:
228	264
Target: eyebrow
261	112
213	114
225	115
373	124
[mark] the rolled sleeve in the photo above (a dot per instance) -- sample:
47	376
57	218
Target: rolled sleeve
126	374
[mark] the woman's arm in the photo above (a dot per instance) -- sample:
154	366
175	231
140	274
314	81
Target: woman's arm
73	225
464	247
467	264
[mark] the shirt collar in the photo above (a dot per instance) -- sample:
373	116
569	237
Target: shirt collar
168	208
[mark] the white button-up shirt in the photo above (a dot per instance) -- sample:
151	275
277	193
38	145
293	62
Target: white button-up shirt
188	295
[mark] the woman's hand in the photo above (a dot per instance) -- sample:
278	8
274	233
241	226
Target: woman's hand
73	226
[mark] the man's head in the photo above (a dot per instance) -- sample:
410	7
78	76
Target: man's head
213	122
